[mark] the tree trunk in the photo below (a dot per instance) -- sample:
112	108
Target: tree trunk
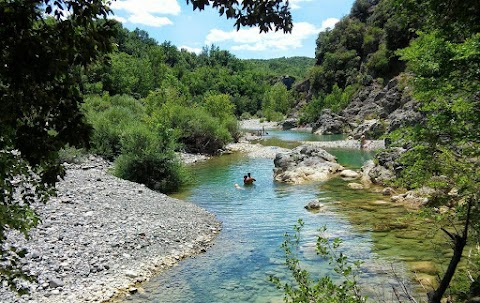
459	242
436	295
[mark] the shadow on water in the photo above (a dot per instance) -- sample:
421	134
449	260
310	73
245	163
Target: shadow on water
255	218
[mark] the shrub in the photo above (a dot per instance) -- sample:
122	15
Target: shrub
158	171
200	132
110	116
246	116
146	158
71	154
311	112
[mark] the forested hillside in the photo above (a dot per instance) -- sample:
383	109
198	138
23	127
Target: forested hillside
294	66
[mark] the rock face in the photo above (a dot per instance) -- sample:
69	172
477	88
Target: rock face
305	163
372	129
102	234
387	167
330	123
374	111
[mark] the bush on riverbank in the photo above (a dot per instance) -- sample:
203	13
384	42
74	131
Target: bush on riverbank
141	136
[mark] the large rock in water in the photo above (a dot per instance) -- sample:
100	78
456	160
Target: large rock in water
305	163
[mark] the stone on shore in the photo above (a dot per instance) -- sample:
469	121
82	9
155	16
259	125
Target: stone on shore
357	186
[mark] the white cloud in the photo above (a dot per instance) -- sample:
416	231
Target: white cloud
144	11
148	19
329	23
251	40
195	50
294	4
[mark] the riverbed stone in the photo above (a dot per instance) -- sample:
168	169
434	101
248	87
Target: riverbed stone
354	185
350	174
54	283
314	205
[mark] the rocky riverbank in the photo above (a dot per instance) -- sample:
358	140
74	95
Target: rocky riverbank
103	235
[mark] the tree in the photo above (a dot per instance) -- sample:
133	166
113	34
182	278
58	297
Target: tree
445	150
43	45
41	55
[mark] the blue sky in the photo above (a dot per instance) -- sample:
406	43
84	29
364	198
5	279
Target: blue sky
175	21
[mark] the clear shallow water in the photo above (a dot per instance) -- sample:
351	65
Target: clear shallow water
255	218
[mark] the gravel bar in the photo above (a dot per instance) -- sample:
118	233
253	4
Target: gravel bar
102	235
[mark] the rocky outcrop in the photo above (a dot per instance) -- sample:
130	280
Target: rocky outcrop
330	123
305	163
407	115
372	129
386	167
289	123
374	111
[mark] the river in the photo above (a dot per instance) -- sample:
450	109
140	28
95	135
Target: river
255	219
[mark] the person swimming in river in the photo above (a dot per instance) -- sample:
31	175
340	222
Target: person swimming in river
248	179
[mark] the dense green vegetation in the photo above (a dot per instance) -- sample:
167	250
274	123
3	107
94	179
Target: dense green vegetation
293	66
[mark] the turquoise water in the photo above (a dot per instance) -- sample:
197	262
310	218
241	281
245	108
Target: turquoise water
291	139
255	219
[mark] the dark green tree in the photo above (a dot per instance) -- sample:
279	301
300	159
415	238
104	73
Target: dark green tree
265	14
41	54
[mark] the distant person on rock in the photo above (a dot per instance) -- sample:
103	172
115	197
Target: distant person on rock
247	180
363	142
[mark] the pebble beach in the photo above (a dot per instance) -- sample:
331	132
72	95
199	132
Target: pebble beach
102	236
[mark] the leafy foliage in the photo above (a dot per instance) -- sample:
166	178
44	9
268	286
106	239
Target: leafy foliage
250	12
294	66
339	286
276	103
445	149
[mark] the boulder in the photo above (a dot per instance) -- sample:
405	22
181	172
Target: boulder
289	124
305	163
407	115
387	166
365	171
314	205
350	174
372	129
